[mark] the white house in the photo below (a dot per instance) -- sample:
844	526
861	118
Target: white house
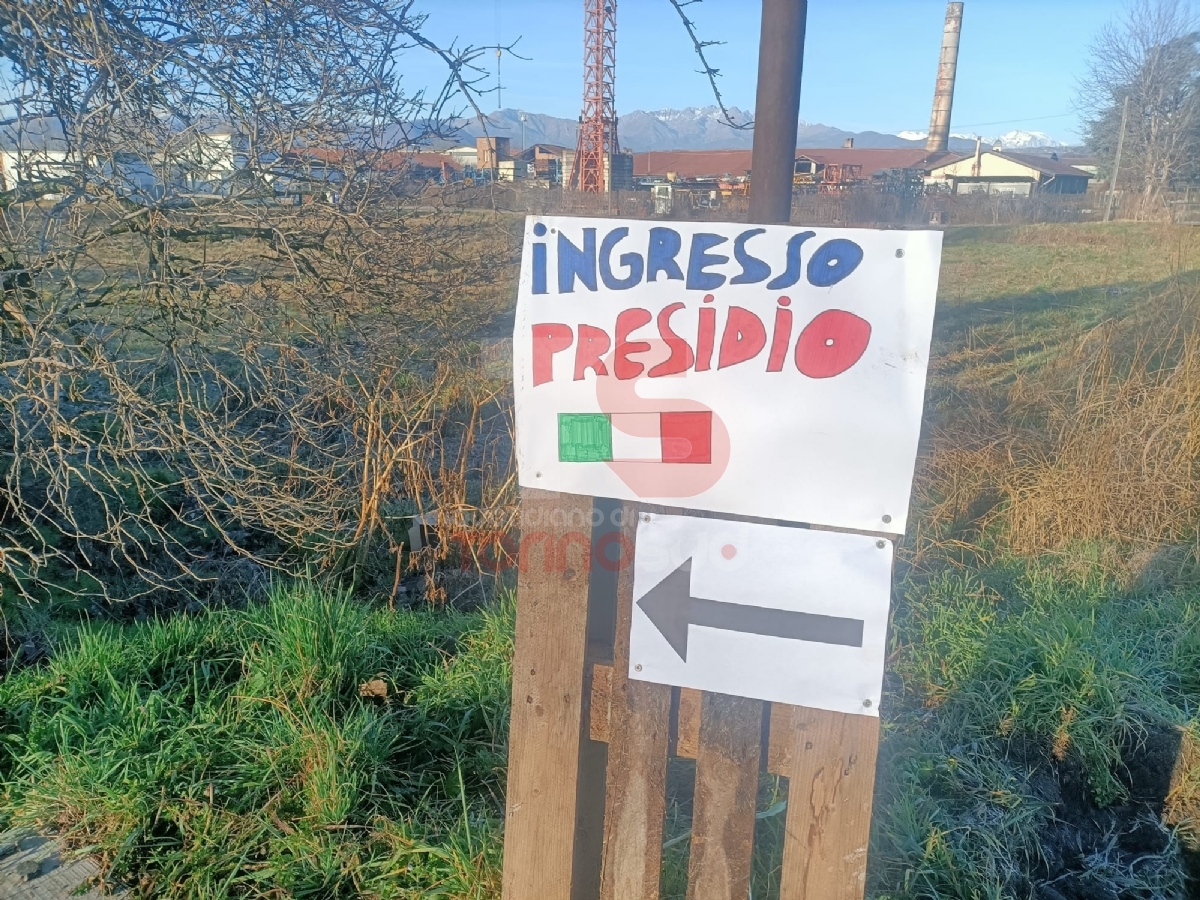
464	156
22	166
202	158
996	171
32	150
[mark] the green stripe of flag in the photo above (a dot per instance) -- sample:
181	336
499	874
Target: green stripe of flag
584	437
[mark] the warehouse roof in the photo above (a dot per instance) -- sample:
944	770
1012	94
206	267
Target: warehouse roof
692	163
714	163
1044	164
872	160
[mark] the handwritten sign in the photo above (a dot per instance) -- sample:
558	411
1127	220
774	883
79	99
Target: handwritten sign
762	371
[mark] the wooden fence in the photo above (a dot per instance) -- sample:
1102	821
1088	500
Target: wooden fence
589	747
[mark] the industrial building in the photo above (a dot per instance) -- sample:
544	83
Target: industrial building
464	156
546	160
822	169
996	171
489	151
833	170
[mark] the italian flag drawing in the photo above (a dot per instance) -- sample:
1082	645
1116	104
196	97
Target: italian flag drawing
661	437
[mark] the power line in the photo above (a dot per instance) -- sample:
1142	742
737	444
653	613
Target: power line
1011	121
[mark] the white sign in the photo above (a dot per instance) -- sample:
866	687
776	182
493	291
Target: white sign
788	615
776	372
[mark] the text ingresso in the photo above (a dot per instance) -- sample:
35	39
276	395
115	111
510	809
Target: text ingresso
828	344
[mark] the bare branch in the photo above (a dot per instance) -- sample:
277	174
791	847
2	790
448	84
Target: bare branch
711	73
232	334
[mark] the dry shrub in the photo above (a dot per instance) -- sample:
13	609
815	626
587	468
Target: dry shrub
1100	443
232	325
1123	463
297	412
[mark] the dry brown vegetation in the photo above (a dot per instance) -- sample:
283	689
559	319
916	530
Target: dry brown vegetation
1067	417
234	336
287	407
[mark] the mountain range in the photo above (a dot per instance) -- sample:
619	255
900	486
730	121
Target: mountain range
704	128
1010	140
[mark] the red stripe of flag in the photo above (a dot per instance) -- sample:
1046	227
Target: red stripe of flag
686	437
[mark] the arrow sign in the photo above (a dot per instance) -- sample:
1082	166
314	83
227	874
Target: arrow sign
672	609
822	595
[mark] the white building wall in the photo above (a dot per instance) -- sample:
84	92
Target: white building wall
1006	188
464	156
21	166
992	165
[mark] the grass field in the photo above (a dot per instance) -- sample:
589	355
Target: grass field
1041	698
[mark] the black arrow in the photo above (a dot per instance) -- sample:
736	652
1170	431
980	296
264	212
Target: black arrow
671	608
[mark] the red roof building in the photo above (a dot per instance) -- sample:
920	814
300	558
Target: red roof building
713	164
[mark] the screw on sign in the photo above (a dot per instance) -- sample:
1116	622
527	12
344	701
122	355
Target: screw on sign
731	373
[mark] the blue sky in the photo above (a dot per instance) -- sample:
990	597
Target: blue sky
869	64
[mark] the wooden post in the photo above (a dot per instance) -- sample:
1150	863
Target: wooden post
598	658
1112	188
828	758
777	109
548	724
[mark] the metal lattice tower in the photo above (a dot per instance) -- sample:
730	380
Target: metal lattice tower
598	123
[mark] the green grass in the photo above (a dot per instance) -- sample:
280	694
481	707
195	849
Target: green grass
1030	695
231	754
982	263
1006	682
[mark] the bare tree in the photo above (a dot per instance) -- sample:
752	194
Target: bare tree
232	331
1152	56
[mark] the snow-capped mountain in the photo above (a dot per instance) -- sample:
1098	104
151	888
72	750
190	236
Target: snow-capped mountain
1021	140
696	127
693	128
1012	140
704	128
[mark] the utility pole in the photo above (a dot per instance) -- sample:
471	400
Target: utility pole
499	84
1117	165
777	109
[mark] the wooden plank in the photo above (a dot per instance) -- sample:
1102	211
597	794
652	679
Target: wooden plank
780	740
545	734
593	754
1183	792
639	728
726	792
830	766
687	734
601	702
589	817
